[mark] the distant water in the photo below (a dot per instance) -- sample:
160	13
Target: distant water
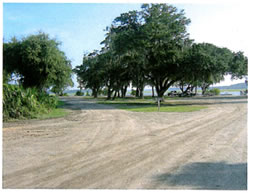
234	93
148	92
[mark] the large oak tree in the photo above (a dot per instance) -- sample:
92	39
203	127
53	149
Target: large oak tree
38	61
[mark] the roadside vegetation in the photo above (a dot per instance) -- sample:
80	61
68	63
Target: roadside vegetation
231	90
165	108
148	105
20	103
152	47
213	91
34	65
54	113
147	47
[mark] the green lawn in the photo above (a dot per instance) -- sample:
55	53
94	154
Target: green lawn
126	99
164	108
231	90
55	113
142	105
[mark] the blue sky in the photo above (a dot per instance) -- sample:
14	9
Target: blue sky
80	26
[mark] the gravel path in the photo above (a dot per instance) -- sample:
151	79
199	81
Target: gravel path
99	147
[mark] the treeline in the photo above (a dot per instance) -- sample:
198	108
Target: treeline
152	47
37	65
147	47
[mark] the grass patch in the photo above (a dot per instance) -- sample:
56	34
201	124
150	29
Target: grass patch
231	90
126	99
151	106
182	108
60	103
55	113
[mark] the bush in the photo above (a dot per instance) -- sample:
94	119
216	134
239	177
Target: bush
79	93
104	92
25	103
214	91
133	92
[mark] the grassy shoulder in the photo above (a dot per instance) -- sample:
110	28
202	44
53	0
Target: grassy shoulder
165	108
142	105
55	113
128	99
231	90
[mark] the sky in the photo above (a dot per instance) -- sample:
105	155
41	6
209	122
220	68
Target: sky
80	26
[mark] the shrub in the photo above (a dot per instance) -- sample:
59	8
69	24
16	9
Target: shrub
215	91
63	94
25	103
79	93
133	92
104	92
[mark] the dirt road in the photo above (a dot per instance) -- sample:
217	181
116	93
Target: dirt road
97	146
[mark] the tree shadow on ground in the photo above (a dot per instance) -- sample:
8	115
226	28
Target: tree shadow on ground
208	176
81	103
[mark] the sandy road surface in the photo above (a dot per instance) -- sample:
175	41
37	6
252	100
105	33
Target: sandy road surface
100	147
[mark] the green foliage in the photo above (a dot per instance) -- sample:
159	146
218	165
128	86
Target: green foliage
60	104
137	105
104	91
239	65
127	30
133	92
152	47
205	64
79	93
214	91
38	61
65	94
166	109
165	36
25	103
55	113
91	72
87	93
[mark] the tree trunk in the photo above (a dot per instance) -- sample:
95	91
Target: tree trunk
137	92
114	95
203	91
162	88
141	94
122	92
181	88
125	91
95	93
109	93
153	91
160	92
191	88
204	87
